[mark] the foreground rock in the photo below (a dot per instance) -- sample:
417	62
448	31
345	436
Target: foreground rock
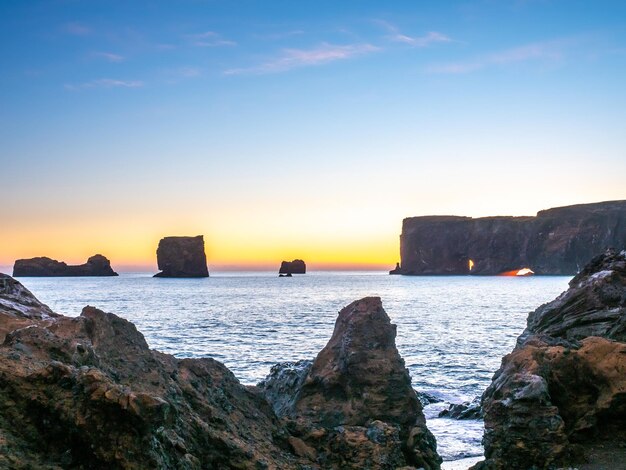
182	257
563	387
87	392
97	265
356	395
556	241
297	266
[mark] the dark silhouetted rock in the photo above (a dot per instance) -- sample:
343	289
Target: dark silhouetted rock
285	275
564	385
469	410
358	379
182	257
396	270
97	265
556	241
297	266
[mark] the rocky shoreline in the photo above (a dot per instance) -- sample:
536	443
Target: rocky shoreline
562	390
87	392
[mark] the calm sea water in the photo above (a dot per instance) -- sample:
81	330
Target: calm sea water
452	331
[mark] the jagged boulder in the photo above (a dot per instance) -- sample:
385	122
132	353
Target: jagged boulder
564	385
97	265
182	257
88	392
357	379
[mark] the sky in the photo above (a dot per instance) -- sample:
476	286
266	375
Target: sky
298	129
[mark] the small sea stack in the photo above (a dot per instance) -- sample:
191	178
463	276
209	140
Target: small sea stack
182	257
396	270
42	266
297	266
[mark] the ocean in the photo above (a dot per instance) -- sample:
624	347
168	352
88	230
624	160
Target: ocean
452	331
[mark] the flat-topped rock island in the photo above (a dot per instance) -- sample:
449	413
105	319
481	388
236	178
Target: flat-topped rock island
182	257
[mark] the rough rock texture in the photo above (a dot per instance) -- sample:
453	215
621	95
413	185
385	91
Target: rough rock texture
356	381
87	392
297	266
564	385
556	241
97	265
182	257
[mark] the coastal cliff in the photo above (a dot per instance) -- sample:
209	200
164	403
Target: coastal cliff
87	392
97	265
557	241
559	398
182	257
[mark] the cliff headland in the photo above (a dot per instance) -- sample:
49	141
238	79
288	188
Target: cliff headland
557	241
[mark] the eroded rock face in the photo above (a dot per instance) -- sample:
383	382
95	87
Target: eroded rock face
182	257
557	241
297	266
357	379
97	265
88	392
565	382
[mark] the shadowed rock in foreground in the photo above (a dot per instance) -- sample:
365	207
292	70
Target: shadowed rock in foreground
97	265
357	390
560	397
297	266
557	241
87	392
182	257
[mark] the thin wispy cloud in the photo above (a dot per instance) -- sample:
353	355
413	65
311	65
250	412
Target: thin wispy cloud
105	83
76	29
550	51
109	56
295	58
430	38
209	39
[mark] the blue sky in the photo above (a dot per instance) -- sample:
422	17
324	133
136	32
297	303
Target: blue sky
278	125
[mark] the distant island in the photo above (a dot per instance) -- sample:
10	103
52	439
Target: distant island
42	266
558	241
297	266
182	257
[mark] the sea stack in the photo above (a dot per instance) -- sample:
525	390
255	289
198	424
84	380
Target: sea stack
355	396
557	241
559	398
182	257
97	265
297	266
